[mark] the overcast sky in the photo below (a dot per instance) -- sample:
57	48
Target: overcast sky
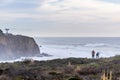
61	18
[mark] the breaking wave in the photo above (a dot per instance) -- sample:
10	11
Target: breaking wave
97	45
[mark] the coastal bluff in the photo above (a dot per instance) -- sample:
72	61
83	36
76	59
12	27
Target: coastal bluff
16	46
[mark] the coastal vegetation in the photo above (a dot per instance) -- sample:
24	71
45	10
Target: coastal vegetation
62	69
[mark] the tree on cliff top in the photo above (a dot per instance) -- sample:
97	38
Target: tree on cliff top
1	32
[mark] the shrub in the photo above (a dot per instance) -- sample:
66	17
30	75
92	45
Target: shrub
74	78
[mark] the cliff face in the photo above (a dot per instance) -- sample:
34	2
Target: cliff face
14	46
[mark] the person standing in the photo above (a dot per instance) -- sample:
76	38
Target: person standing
93	53
97	55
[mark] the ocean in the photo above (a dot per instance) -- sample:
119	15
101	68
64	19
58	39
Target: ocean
79	47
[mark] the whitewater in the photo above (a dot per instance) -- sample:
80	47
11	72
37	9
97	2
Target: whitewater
59	48
78	47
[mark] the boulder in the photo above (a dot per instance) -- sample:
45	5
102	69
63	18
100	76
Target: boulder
1	32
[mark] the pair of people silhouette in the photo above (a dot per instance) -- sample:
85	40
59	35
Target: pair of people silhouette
95	54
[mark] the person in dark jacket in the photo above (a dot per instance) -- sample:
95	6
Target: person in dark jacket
97	55
93	53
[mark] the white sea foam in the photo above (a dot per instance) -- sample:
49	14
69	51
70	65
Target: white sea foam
79	51
97	45
78	47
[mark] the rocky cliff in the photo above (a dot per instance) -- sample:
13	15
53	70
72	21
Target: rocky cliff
15	46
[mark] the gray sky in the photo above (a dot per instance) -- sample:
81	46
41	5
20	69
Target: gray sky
61	18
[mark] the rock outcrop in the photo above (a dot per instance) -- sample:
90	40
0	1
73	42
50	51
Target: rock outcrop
15	46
